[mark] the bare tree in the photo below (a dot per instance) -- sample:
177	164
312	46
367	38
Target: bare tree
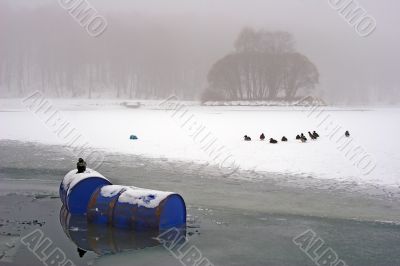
262	66
299	73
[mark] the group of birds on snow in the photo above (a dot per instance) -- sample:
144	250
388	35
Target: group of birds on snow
314	135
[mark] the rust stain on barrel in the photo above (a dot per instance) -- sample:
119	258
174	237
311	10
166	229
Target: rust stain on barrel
92	203
160	208
110	211
93	199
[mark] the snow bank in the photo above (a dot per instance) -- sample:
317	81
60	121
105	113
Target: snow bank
307	101
107	126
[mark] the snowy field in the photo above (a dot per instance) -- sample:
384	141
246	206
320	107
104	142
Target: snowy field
107	125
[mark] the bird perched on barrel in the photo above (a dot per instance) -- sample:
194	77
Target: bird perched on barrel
262	136
273	141
311	136
284	139
315	134
347	133
81	166
247	138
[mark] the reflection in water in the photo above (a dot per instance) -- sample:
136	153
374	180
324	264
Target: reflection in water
81	252
105	239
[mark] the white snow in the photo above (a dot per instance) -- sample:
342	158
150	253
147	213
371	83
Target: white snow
107	126
111	190
137	196
143	197
72	178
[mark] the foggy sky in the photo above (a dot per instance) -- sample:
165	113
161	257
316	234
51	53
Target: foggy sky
349	65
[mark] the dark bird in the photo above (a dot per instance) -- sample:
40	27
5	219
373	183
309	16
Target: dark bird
284	139
247	138
347	133
262	136
303	138
311	136
81	166
315	134
273	141
298	137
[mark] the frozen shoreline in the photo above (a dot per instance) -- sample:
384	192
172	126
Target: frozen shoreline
107	125
36	169
264	214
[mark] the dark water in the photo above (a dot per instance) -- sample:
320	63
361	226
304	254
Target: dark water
232	222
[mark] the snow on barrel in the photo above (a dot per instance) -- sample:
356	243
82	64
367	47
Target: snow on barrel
77	188
136	208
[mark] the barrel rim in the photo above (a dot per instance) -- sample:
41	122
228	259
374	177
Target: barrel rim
71	191
71	179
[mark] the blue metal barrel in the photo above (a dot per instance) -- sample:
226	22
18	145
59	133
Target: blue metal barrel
136	208
77	188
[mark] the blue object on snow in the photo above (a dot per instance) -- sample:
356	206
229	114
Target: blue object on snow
77	188
133	137
136	208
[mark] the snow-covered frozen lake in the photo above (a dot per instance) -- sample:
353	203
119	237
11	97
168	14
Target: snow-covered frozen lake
247	218
107	125
232	222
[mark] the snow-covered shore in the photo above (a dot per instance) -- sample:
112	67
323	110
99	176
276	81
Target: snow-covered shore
107	125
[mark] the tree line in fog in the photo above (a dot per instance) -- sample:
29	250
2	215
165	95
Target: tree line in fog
142	56
143	61
43	48
264	66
